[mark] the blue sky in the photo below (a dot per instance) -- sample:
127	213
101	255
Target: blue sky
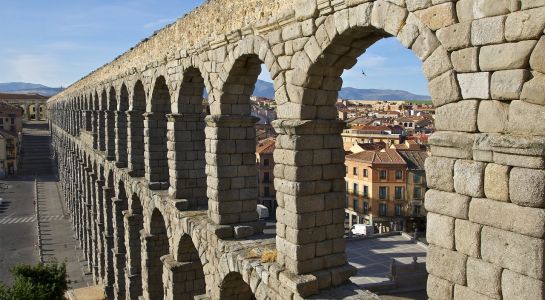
57	42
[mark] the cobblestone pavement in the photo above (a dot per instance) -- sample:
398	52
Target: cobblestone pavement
372	257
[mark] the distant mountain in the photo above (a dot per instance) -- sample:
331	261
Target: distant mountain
266	89
28	88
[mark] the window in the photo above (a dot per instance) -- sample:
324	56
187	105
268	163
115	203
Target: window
399	192
266	177
365	207
416	210
417	178
365	173
355	203
417	193
382	192
1	121
266	162
267	191
382	210
398	210
355	189
383	174
399	175
365	191
355	171
12	121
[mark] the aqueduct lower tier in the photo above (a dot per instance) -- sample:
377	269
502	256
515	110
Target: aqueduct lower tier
163	196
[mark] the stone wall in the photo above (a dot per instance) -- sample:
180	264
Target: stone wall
484	61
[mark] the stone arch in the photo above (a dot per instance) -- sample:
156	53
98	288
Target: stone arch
119	210
187	155
155	142
233	287
155	245
135	127
120	131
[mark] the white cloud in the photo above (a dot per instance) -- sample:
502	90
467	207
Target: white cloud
372	61
33	68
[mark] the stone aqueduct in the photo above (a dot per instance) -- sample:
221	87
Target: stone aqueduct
163	196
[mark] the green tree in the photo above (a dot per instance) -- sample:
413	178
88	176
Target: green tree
40	282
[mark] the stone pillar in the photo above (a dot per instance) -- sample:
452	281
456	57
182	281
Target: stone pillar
99	227
121	151
135	143
101	130
110	124
231	171
88	120
133	280
94	126
109	273
186	158
155	150
37	111
309	178
27	112
119	206
182	280
152	267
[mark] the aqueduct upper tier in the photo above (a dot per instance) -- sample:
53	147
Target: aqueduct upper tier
163	191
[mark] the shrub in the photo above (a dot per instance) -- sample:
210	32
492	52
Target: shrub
40	282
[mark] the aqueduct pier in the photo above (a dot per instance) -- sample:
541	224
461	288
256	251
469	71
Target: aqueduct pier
163	196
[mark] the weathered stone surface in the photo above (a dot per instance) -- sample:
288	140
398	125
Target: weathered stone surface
512	251
533	90
487	31
443	233
525	25
452	144
506	56
446	264
438	288
507	85
488	8
475	85
465	60
467	237
493	116
517	286
455	36
439	172
526	187
484	278
438	16
444	89
519	114
469	178
527	4
464	10
413	5
537	59
437	63
449	204
496	182
458	116
507	216
462	292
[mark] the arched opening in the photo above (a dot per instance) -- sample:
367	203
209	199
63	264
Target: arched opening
95	107
135	125
155	245
134	223
313	88
121	150
184	272
233	197
109	116
102	120
188	181
233	287
155	137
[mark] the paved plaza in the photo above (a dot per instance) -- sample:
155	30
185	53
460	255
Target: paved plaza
372	257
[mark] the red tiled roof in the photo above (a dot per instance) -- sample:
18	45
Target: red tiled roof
387	156
8	109
266	146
